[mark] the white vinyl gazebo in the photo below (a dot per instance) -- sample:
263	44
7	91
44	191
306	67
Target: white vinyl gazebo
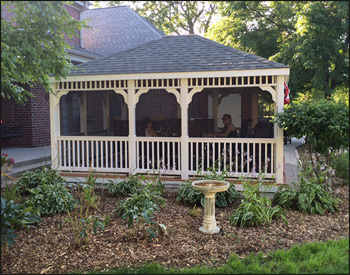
183	66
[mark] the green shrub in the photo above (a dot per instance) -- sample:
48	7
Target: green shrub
310	198
189	196
32	179
255	208
50	198
15	216
341	165
124	188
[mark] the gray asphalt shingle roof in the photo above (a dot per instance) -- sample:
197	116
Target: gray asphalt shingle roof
183	53
116	29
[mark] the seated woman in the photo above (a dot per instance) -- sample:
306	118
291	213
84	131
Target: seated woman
229	129
149	131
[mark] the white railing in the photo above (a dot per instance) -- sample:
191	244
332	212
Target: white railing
237	156
105	154
158	155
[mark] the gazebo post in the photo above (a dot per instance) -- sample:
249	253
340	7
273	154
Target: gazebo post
132	123
54	118
279	131
184	128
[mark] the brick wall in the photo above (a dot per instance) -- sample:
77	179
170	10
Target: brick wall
33	118
75	40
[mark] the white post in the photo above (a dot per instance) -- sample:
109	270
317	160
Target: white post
54	125
279	131
184	128
132	128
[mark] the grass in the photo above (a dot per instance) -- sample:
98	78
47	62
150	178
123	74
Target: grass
330	257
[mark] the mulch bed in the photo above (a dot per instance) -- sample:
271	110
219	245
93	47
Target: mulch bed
50	248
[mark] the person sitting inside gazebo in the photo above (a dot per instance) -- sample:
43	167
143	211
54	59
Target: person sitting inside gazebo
229	129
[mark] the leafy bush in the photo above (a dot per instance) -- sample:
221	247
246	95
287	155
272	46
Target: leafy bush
124	188
190	196
32	179
50	198
310	198
15	216
255	209
140	208
341	165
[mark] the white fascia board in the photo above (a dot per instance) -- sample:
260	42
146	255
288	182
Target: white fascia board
262	72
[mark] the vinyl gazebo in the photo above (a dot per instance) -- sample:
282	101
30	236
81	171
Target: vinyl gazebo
88	105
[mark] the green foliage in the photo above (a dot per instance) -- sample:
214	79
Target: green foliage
140	208
50	198
330	257
124	188
10	193
195	212
310	198
88	191
32	179
33	45
81	219
324	123
15	216
255	208
340	163
175	17
311	37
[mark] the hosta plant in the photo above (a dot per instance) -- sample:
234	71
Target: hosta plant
310	198
32	179
255	209
124	188
50	198
15	216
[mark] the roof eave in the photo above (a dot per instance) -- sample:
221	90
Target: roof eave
172	75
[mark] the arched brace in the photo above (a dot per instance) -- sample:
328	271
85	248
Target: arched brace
174	92
192	92
60	94
139	93
270	90
123	93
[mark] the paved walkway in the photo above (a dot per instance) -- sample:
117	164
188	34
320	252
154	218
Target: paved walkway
26	156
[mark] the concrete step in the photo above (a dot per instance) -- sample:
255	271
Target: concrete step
31	165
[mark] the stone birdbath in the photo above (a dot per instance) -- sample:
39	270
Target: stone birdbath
209	188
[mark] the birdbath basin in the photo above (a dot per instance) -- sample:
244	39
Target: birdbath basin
209	188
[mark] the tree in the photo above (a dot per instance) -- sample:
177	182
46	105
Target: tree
33	45
312	37
175	17
324	123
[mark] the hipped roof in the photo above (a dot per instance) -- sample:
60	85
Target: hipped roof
182	53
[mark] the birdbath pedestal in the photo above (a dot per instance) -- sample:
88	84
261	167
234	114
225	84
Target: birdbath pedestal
209	188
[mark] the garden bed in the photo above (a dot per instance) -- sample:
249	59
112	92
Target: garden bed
50	248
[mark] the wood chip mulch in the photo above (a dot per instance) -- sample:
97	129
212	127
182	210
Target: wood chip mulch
50	249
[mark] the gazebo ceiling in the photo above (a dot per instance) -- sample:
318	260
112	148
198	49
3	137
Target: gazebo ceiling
182	53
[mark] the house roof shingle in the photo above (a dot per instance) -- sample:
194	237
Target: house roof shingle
182	53
116	29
